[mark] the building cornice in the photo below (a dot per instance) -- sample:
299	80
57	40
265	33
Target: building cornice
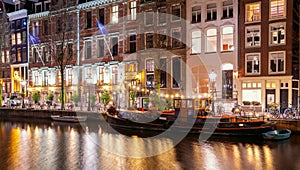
95	3
17	14
38	15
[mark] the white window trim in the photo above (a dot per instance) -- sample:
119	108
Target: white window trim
206	10
247	46
270	37
207	39
259	56
149	12
196	5
38	4
97	41
246	12
269	62
113	19
276	18
181	70
130	16
85	52
221	38
197	37
47	2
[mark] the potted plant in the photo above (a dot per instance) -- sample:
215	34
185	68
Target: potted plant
105	98
36	97
246	103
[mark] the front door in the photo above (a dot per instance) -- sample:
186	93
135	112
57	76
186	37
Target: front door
283	99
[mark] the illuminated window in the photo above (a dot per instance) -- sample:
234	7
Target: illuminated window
45	78
277	33
70	75
252	64
163	73
13	39
150	73
115	14
132	10
211	40
253	12
19	39
227	38
277	9
252	36
114	75
196	42
35	29
101	75
276	62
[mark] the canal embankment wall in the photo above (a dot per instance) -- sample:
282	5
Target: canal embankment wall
46	114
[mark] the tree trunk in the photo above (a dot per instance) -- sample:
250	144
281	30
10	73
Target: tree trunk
62	88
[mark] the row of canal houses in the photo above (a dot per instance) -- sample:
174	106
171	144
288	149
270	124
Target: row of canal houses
251	46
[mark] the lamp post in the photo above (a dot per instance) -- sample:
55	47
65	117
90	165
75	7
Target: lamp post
212	78
23	83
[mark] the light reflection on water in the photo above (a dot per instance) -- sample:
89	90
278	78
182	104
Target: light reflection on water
48	145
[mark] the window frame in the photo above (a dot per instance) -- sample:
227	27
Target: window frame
114	14
175	18
277	16
253	36
246	12
86	50
222	38
196	12
113	46
271	35
173	39
228	8
172	72
213	36
198	39
252	69
277	65
132	10
98	47
212	10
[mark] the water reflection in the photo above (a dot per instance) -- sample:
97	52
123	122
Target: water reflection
52	145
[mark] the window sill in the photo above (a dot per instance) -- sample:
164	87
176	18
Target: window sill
227	51
252	22
252	74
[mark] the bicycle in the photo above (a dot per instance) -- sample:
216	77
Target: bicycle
290	112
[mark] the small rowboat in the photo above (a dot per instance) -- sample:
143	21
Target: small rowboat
69	118
277	134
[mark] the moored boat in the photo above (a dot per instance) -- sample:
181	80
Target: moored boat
277	134
74	119
225	125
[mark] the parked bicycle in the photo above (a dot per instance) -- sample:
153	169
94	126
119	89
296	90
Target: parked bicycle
291	112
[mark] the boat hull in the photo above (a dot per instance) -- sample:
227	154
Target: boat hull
74	119
201	126
277	134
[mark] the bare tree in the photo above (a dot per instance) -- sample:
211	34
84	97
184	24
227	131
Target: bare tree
61	42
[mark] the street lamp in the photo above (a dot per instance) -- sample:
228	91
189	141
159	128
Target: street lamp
23	83
212	78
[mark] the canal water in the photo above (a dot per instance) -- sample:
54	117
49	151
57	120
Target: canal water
43	144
